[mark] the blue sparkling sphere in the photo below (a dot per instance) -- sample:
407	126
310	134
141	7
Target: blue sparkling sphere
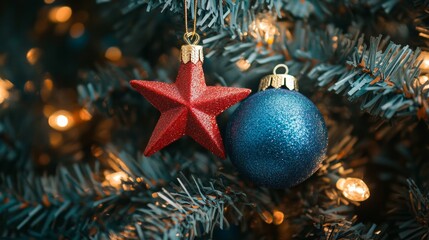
277	138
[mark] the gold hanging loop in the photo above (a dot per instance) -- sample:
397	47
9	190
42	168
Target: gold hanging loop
279	66
192	38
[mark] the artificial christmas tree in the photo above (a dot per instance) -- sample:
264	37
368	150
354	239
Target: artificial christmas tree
73	130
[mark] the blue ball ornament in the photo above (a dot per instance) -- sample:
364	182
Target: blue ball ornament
277	138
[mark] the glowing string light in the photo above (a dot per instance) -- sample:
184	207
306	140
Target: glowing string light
60	14
278	217
61	120
115	179
33	55
353	188
113	54
77	30
85	115
243	64
424	58
5	86
264	28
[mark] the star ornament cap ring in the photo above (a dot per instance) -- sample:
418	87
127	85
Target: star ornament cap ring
188	106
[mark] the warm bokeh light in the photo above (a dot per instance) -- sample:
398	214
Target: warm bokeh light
76	30
55	139
267	216
33	55
264	28
335	42
44	159
48	84
353	188
29	86
424	57
96	151
85	115
115	179
423	80
113	54
49	1
243	64
278	217
48	110
5	86
46	90
61	120
60	14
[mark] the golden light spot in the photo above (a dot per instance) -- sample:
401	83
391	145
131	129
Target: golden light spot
268	218
61	120
96	151
85	115
48	84
154	195
49	1
29	86
55	139
60	14
278	217
44	159
115	179
48	110
264	28
353	188
5	86
243	64
76	30
424	57
113	54
335	42
33	55
423	80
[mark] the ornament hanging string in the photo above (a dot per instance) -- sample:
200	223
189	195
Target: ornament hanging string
192	38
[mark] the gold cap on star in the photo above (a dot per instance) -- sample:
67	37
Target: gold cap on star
191	52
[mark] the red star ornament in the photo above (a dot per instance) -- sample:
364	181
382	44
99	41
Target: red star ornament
188	106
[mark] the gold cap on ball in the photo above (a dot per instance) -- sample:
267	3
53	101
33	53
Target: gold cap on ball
277	80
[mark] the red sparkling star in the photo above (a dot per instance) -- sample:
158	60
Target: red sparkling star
188	107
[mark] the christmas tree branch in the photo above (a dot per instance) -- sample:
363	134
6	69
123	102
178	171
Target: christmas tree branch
237	15
14	151
386	82
383	77
191	208
336	60
409	210
320	211
231	19
78	202
421	20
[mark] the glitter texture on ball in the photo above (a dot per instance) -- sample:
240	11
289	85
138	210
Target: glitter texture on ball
277	138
